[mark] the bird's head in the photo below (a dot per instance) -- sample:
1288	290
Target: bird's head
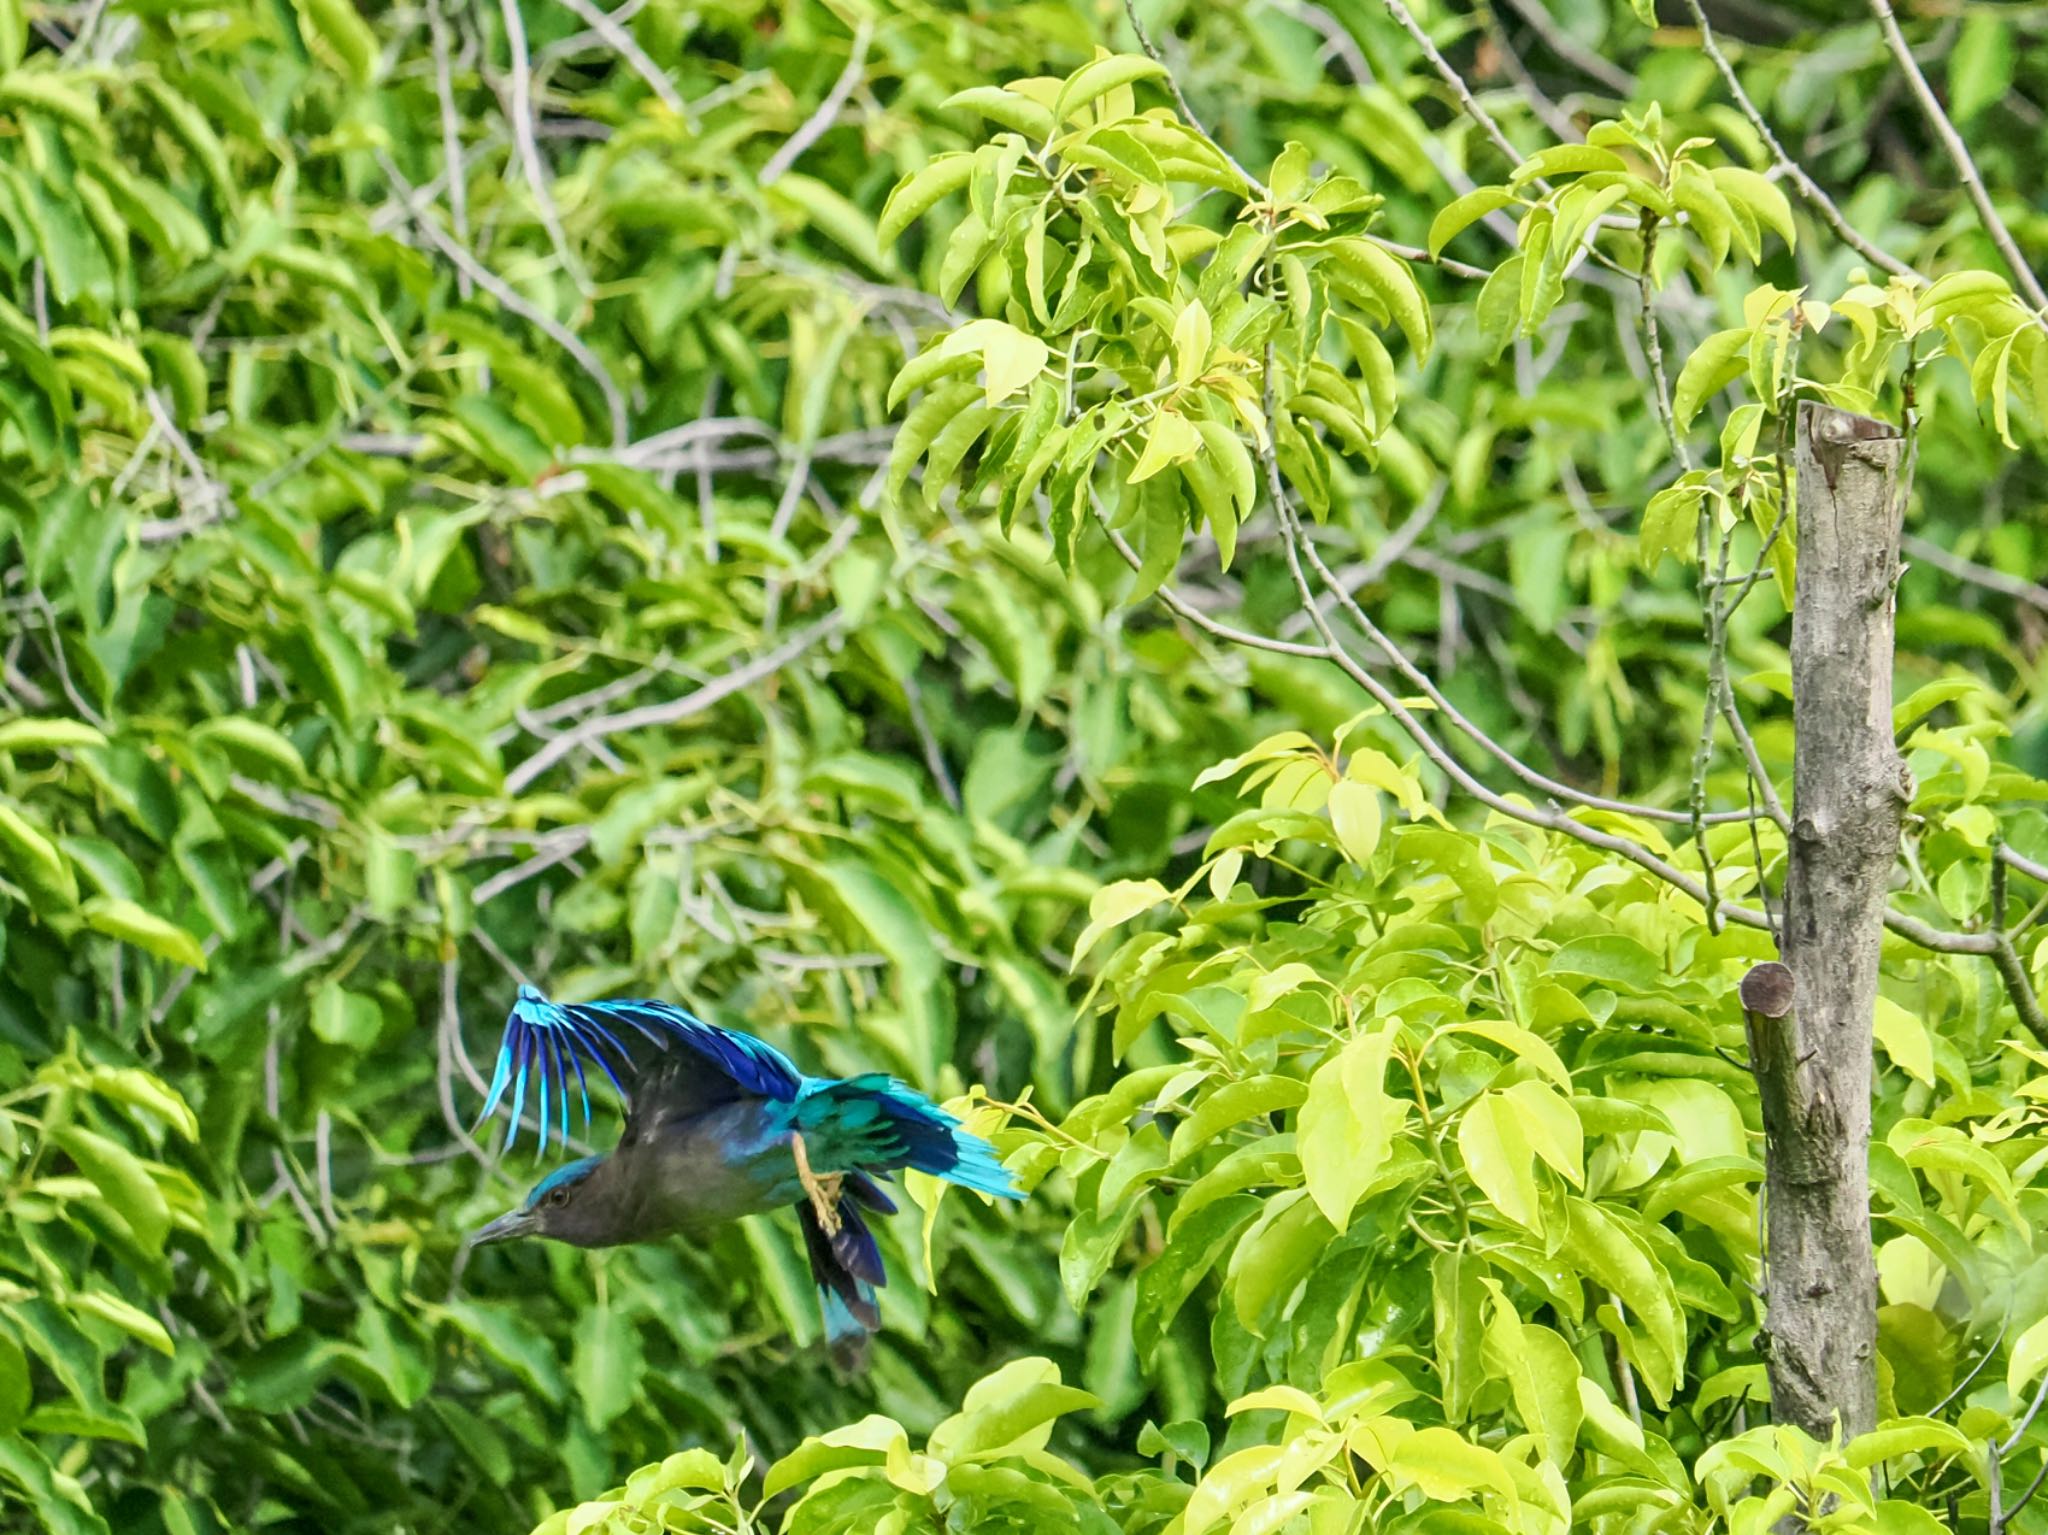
566	1205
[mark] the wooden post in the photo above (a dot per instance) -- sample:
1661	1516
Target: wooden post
1810	1020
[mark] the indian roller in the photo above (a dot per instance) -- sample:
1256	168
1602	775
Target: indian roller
721	1125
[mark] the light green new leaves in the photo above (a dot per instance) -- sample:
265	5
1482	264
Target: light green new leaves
27	735
1503	1133
1094	80
1009	359
1348	1123
919	193
1671	520
2029	1355
1113	905
1607	1251
1172	439
1541	1372
1389	279
123	1181
1715	363
1905	1039
338	25
1355	815
1008	1413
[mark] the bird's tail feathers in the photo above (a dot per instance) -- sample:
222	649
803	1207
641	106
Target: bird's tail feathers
932	1140
848	1268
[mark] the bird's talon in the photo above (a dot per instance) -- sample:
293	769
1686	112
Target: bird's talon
823	1189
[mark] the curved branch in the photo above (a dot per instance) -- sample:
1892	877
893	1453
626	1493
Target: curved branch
1959	156
1788	167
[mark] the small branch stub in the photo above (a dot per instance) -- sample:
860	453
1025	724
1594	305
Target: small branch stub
1768	989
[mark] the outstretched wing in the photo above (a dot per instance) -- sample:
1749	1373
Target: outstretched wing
637	1045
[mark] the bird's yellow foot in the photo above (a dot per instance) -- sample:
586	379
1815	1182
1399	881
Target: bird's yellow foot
823	1189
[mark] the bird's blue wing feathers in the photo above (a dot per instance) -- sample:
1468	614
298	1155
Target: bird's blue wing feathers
547	1041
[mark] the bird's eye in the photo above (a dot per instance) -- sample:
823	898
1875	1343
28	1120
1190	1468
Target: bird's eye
558	1196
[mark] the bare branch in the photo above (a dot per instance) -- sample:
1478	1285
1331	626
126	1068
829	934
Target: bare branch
814	127
1788	167
505	294
676	710
2031	593
1571	50
616	37
1959	156
520	110
1454	81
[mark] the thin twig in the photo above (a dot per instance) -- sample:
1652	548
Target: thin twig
1571	50
676	710
1959	156
520	110
621	41
814	127
453	172
1789	168
2031	593
1454	80
505	294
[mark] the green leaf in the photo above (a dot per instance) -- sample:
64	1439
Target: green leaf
1715	363
1010	1412
14	1386
1980	65
866	1443
1442	1465
917	194
1391	280
1499	1159
1602	1248
338	25
1671	525
1906	1436
1233	1104
1763	197
1355	814
1567	160
346	1018
1172	439
1192	1250
35	862
130	923
1348	1123
1096	79
58	1501
606	1366
1007	107
132	1320
1112	906
1542	1373
47	735
122	1180
1906	1040
1461	213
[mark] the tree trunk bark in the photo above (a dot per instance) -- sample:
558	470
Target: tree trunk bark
1810	1019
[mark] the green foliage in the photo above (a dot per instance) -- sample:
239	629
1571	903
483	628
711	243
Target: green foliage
706	547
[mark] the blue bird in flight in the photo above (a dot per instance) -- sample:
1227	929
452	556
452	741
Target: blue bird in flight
721	1125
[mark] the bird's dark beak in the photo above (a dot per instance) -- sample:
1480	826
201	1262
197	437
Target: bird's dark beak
513	1223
